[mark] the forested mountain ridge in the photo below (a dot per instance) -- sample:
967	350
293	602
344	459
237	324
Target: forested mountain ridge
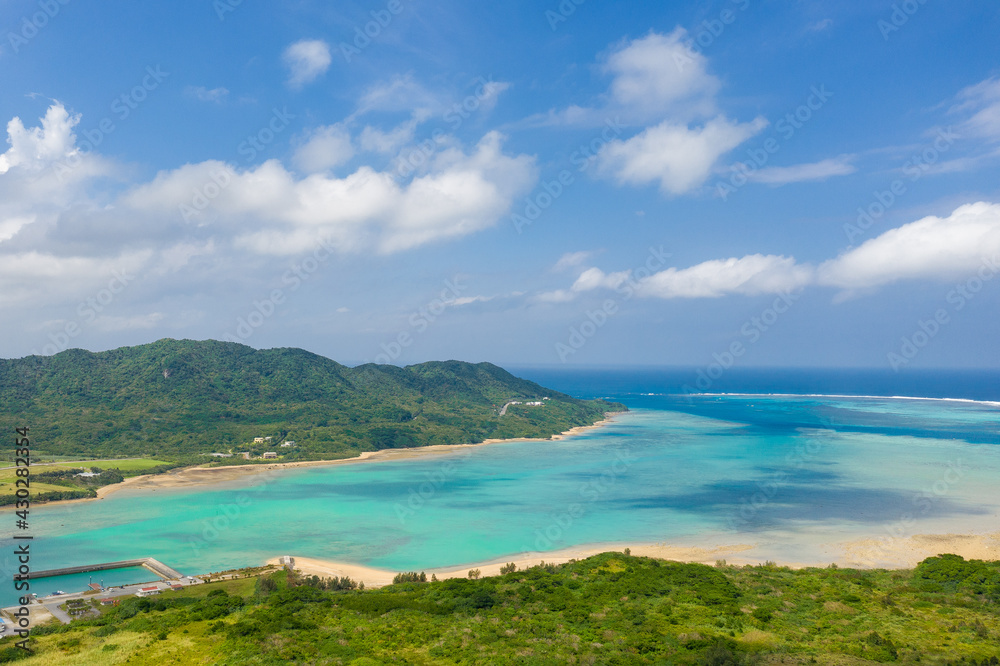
184	397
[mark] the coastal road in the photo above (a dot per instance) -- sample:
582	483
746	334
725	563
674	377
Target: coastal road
512	402
58	613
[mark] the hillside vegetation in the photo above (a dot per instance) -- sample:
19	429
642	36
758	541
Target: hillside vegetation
607	609
179	398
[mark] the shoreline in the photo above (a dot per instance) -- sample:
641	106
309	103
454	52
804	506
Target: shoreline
185	477
904	553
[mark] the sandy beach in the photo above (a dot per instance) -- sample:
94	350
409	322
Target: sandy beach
377	577
906	552
203	476
903	553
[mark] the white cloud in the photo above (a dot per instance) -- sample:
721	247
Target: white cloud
679	157
570	260
588	280
378	141
933	248
306	61
819	26
203	94
400	93
658	75
557	296
324	148
35	276
488	94
749	275
37	148
930	248
10	226
271	212
800	173
983	102
595	278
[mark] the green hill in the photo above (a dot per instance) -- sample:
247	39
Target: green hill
174	399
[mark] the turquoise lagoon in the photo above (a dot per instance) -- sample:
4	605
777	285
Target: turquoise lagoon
790	475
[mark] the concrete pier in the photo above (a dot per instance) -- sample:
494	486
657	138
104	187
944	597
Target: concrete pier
154	565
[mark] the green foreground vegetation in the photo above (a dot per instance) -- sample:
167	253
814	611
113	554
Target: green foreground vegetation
179	401
607	609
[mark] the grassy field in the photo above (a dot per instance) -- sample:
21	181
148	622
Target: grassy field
607	609
128	467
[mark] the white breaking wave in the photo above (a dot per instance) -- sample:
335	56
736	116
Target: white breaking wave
839	395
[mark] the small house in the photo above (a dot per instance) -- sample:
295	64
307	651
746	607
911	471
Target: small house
288	443
147	591
270	454
109	602
258	440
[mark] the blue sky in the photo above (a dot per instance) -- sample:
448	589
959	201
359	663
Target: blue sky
738	182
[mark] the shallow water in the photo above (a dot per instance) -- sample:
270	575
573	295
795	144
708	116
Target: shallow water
784	472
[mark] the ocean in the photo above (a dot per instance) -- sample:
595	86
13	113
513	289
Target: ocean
790	462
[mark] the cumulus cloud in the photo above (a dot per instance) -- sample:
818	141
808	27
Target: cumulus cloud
659	79
62	234
589	280
750	275
324	148
306	60
930	248
272	212
37	148
658	75
679	157
800	173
